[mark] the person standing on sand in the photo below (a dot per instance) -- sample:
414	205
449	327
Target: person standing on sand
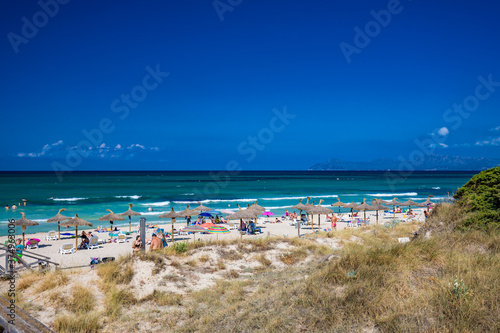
334	222
137	244
156	243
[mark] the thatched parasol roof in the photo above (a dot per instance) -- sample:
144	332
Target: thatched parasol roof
428	201
351	205
299	206
188	212
321	210
243	214
171	215
130	212
59	217
75	222
111	217
338	203
257	207
201	208
410	202
393	202
23	221
363	206
377	206
383	202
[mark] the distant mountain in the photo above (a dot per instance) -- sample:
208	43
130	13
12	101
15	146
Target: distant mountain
431	162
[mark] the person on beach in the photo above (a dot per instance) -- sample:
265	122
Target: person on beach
286	213
334	222
14	206
19	249
85	241
137	244
217	220
156	243
188	220
426	214
163	238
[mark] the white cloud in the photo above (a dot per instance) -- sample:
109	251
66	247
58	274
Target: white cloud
495	129
489	142
59	150
443	131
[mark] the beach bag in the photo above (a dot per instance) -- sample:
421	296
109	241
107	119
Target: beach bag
106	259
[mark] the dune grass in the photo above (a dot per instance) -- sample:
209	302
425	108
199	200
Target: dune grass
82	323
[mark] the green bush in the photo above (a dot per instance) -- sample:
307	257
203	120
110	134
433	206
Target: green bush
480	197
180	247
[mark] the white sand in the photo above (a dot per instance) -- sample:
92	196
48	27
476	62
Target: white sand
83	257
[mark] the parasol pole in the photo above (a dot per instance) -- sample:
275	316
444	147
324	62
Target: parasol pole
173	221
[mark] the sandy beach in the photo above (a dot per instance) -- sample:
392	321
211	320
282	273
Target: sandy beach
83	257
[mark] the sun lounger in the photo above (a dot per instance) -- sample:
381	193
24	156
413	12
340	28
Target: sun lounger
93	243
33	244
67	248
51	235
404	239
121	238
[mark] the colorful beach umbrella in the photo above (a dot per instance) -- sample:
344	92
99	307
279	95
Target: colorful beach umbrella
172	215
24	222
130	213
58	218
111	217
76	222
207	225
217	230
194	229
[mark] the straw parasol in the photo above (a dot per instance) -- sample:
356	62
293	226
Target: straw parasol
76	222
377	206
188	212
309	210
394	202
24	222
410	203
240	215
256	206
171	215
201	208
321	210
111	217
58	218
300	206
382	202
428	202
130	213
364	206
338	204
351	205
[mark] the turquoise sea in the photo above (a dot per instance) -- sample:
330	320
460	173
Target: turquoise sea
89	194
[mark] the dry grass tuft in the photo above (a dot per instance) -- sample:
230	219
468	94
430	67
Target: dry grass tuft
51	280
116	299
115	272
82	300
82	323
163	298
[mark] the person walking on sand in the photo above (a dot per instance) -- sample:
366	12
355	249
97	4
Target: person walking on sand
334	222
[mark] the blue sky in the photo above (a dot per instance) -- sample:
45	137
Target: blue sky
192	85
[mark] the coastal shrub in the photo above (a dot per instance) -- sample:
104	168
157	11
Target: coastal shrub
27	280
177	248
115	273
82	323
51	280
162	298
480	197
116	299
81	301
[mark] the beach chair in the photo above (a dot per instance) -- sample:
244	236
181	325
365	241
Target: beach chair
51	235
121	238
67	248
32	245
93	243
